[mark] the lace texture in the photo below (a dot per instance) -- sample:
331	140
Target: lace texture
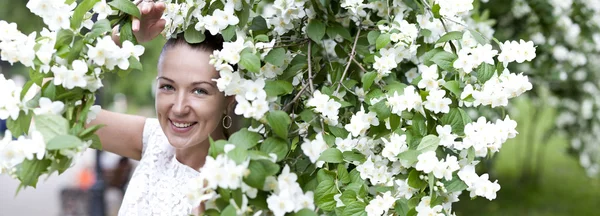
159	183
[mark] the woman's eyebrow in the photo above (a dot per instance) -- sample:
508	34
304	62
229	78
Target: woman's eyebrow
201	82
167	79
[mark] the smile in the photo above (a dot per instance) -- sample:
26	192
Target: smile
181	126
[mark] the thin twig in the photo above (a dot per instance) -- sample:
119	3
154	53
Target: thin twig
295	98
359	65
312	88
352	53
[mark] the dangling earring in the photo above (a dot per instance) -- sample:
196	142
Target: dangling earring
227	121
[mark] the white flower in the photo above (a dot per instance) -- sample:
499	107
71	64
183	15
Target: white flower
255	89
314	148
128	50
380	205
396	145
280	204
445	135
49	107
10	102
102	9
436	102
345	144
427	162
76	77
33	145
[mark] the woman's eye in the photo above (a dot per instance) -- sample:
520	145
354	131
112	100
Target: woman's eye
200	92
167	87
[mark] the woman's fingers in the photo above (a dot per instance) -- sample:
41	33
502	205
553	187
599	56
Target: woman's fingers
147	7
135	24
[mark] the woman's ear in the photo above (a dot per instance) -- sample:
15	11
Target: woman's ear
230	101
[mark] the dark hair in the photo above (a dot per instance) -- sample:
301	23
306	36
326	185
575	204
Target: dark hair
209	44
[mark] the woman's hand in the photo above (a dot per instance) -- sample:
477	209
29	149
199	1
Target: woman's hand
150	24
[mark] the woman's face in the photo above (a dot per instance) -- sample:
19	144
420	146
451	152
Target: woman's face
188	103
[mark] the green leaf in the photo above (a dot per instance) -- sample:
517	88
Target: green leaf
372	37
258	24
193	36
335	30
135	64
229	211
276	57
325	175
343	174
80	11
275	145
30	171
278	87
444	60
457	119
259	170
280	122
261	38
337	131
99	28
454	35
96	144
455	185
485	71
381	109
21	125
414	180
316	30
478	37
436	11
239	155
348	196
453	87
324	195
228	33
305	212
382	41
428	143
126	33
471	154
250	61
63	142
401	207
216	147
126	6
63	37
26	88
367	80
76	50
60	164
410	156
355	209
244	15
332	155
419	124
429	55
244	139
353	156
51	126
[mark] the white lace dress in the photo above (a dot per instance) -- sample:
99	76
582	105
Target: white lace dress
159	184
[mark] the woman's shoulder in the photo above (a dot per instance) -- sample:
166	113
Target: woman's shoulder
153	136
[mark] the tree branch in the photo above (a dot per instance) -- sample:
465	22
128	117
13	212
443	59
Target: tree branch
352	53
310	82
287	106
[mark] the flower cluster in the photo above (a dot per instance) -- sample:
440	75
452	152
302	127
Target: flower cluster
563	65
56	14
10	101
351	110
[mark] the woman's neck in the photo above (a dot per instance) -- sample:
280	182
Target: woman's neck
195	156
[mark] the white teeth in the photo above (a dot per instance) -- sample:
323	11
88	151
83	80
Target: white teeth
180	125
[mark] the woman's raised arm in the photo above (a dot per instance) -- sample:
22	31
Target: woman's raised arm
123	133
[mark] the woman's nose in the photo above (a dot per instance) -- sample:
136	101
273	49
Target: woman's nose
180	105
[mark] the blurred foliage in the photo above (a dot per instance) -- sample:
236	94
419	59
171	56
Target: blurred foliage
137	86
562	188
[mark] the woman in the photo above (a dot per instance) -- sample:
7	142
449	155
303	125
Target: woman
189	108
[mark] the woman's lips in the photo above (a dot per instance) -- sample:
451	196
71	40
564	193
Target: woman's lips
181	127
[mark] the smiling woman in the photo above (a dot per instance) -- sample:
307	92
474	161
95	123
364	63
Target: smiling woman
190	109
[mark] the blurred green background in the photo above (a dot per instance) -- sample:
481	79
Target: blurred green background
535	171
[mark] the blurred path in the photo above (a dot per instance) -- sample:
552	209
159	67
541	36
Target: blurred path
43	200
